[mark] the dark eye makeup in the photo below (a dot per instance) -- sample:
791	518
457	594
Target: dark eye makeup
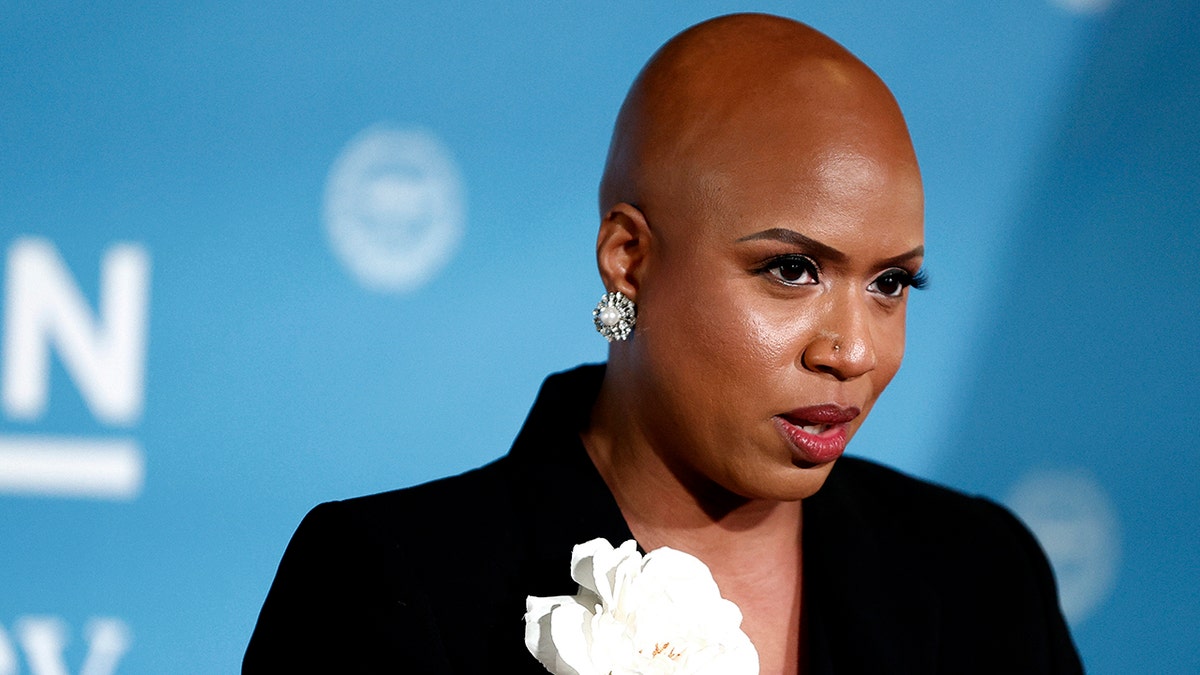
794	269
893	282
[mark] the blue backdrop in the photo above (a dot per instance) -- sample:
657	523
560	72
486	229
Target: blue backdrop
260	256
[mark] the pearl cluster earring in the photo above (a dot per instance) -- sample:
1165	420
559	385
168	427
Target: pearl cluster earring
615	316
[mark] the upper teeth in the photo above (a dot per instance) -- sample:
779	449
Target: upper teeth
815	429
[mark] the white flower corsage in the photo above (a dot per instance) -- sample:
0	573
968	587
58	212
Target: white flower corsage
657	615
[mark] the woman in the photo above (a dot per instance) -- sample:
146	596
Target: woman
761	226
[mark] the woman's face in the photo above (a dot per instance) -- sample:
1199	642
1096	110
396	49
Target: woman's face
771	312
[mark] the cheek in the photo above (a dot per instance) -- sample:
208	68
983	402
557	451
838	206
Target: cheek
778	332
893	347
889	351
721	326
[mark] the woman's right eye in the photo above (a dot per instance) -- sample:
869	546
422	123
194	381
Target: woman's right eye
793	270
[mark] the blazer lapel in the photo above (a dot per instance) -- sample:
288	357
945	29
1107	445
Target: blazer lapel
556	486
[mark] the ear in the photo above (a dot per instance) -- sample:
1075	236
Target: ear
623	249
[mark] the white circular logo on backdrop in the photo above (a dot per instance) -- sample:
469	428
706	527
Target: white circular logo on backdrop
394	208
1076	524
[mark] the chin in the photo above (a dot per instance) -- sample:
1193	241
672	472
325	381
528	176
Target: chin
790	484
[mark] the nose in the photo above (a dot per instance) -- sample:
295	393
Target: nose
842	345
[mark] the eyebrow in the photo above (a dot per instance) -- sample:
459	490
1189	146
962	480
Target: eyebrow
822	250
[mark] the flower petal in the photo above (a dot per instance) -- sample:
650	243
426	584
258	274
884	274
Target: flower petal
595	565
582	561
537	626
661	614
570	630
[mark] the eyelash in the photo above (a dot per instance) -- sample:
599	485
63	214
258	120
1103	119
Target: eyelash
809	266
905	278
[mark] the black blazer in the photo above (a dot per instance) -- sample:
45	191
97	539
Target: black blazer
900	576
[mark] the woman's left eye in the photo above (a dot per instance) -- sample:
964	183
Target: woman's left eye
893	282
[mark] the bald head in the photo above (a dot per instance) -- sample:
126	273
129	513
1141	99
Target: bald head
738	93
762	207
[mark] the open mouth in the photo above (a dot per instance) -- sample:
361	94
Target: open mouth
816	434
814	429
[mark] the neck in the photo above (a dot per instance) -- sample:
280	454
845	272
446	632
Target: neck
752	547
665	506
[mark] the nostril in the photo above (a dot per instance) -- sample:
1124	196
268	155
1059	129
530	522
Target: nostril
841	358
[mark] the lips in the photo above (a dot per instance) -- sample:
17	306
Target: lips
816	434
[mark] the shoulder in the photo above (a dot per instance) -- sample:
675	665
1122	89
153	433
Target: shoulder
433	515
432	539
959	540
436	510
878	485
397	578
894	503
960	569
383	579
